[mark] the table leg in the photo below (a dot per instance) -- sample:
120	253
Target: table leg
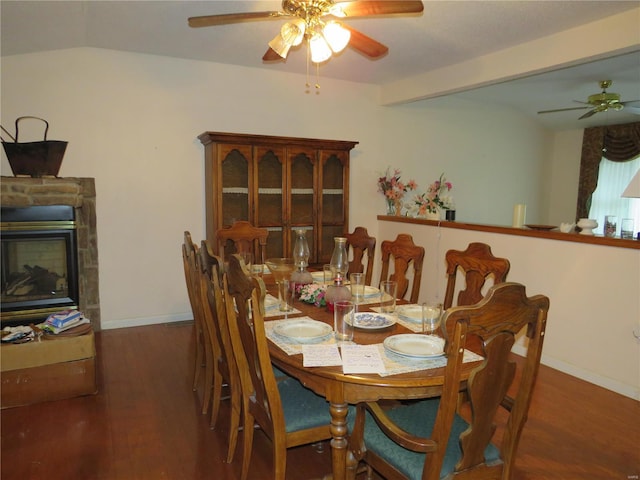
339	439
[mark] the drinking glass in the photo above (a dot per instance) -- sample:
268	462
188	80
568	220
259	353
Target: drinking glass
357	287
287	292
626	228
343	317
388	291
610	225
328	274
431	315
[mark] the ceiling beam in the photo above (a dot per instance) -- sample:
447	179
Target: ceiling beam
615	35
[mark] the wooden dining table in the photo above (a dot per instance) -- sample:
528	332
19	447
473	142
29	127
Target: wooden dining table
341	389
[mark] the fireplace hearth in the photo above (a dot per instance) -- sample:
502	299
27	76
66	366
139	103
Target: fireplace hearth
55	267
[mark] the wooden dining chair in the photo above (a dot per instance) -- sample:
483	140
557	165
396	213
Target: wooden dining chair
476	265
226	369
405	253
203	349
361	243
242	236
287	412
435	438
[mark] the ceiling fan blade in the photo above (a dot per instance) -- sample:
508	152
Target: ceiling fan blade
224	19
366	45
589	113
380	7
271	56
561	110
630	109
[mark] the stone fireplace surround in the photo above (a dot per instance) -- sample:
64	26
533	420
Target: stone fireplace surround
80	193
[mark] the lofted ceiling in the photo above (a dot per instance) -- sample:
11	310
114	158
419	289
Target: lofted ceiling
445	34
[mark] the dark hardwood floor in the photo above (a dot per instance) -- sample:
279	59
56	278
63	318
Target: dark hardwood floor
145	424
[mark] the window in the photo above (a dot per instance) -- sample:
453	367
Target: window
613	178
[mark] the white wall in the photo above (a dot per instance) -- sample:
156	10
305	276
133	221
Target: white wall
563	174
132	122
593	292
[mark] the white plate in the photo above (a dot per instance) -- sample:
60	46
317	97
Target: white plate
415	345
370	291
303	331
372	320
412	313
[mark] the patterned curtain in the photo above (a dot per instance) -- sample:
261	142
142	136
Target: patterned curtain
618	143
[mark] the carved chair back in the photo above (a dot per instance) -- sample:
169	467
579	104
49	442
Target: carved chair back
361	243
476	264
242	236
405	253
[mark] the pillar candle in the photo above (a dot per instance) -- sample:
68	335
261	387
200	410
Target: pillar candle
519	212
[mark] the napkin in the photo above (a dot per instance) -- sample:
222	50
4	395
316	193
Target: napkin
318	355
361	359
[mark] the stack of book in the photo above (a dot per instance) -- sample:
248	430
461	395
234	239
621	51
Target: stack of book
65	320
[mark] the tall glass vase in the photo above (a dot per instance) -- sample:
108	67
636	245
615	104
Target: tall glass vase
391	207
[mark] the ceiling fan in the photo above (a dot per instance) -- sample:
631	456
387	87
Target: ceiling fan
601	102
319	23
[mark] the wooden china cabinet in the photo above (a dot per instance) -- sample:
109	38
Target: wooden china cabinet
278	183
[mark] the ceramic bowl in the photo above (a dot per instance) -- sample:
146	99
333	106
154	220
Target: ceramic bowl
587	225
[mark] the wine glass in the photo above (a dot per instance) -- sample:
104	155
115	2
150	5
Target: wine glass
281	268
288	294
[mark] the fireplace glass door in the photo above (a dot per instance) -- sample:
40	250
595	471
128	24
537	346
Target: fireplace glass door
39	267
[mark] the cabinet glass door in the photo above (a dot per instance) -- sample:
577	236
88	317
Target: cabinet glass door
302	164
235	184
269	207
333	201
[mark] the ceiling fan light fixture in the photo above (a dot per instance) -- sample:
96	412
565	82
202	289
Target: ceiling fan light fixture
336	36
337	11
320	50
293	32
280	46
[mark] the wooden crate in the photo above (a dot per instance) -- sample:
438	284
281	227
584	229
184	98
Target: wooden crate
47	370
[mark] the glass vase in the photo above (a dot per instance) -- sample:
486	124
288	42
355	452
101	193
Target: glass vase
391	208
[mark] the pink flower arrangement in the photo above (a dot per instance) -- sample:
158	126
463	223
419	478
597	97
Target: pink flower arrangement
313	293
436	197
392	187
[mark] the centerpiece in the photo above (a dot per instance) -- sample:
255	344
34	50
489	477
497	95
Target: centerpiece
313	293
436	198
394	189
